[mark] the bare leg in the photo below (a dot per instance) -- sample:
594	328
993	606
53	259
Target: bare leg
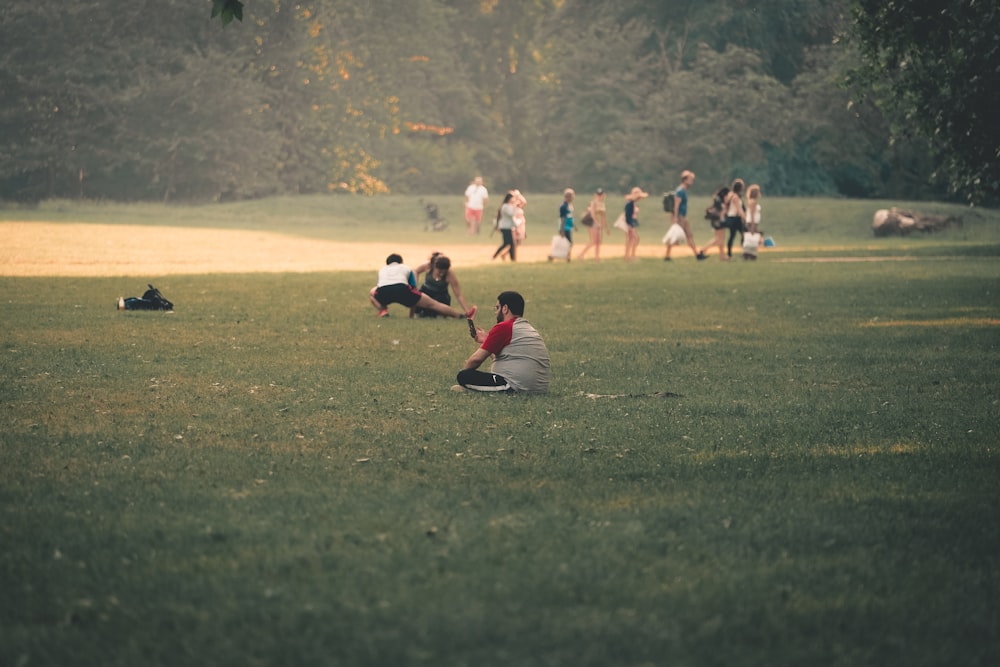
719	241
438	307
686	226
371	297
631	244
593	243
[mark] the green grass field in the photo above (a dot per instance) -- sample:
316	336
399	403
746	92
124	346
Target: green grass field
770	463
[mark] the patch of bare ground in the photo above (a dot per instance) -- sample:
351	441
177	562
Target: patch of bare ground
91	250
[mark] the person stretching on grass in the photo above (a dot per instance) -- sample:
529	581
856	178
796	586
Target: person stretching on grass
520	358
437	282
397	284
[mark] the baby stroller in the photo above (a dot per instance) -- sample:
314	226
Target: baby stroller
434	223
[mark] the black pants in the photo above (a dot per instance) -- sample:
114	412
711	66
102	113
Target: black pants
479	381
508	240
735	225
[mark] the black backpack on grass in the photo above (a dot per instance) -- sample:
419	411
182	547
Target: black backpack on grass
151	300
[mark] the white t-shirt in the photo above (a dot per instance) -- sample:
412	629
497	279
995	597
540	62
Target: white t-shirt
394	274
475	196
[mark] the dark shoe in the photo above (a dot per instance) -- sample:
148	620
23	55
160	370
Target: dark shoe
700	256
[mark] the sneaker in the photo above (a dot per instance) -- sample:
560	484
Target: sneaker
471	313
384	312
121	303
666	259
700	256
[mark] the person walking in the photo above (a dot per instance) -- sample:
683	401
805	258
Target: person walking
520	231
730	206
715	216
566	226
753	208
520	358
520	222
476	196
679	216
505	223
632	222
598	226
735	214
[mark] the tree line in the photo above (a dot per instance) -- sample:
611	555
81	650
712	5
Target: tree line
152	100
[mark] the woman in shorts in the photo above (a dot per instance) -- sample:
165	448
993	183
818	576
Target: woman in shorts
632	220
720	202
598	227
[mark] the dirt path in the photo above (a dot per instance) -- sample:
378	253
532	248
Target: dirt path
89	250
95	250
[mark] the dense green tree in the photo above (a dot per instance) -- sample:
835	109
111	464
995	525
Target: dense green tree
129	101
497	45
152	100
849	151
592	93
939	65
429	144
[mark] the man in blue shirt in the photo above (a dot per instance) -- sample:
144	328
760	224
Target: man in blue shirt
681	208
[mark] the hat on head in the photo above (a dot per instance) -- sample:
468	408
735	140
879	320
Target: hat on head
636	193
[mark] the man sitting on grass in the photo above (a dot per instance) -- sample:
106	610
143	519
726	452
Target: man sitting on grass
397	284
521	360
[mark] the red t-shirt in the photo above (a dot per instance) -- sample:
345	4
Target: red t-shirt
499	337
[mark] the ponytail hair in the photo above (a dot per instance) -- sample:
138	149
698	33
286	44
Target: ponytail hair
506	200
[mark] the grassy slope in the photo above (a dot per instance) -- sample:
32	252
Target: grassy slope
272	476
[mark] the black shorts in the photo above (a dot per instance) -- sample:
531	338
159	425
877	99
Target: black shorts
400	293
441	297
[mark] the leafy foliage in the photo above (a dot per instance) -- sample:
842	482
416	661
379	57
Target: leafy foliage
326	96
227	10
940	67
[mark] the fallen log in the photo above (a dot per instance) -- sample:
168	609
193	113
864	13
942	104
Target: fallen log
898	222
